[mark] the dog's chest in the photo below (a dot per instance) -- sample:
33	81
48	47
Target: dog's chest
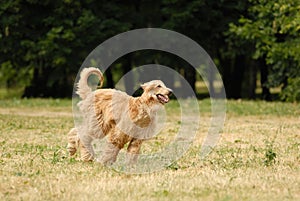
143	118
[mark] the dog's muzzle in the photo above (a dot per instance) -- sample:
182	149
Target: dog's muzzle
162	98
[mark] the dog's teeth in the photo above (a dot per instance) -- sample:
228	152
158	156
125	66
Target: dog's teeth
163	98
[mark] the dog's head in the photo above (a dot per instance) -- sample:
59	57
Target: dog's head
157	90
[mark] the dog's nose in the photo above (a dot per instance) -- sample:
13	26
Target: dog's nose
170	92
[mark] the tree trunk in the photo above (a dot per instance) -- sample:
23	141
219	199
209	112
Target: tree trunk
266	95
190	76
233	74
128	81
109	78
38	84
47	82
226	75
211	77
237	78
249	84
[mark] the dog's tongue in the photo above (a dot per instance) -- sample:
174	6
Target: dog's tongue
163	98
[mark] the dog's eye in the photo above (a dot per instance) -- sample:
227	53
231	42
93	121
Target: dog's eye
158	86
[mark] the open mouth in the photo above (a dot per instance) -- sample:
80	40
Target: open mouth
162	98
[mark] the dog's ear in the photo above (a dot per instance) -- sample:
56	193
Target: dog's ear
144	85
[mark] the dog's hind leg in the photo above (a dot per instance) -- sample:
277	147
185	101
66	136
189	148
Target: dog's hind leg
86	149
73	141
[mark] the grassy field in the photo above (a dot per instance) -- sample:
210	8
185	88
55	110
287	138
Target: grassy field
257	158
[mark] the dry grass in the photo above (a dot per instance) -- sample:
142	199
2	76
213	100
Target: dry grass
258	158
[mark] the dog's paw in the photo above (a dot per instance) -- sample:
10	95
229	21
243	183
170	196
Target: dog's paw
107	160
86	156
72	150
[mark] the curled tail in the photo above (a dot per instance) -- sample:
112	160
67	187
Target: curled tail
83	89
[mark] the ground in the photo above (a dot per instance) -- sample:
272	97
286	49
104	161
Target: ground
257	157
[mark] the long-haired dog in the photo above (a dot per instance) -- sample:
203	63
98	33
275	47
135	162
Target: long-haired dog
116	115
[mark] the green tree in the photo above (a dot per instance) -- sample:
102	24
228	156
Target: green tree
206	22
48	40
10	48
43	43
273	27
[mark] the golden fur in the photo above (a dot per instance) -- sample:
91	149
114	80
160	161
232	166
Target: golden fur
120	117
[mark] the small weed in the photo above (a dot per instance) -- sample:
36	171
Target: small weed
162	193
173	166
57	156
270	154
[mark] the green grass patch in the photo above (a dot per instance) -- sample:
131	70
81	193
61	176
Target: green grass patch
257	157
35	103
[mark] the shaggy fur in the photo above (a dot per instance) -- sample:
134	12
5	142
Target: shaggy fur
120	117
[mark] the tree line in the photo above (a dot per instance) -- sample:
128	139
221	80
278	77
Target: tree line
43	43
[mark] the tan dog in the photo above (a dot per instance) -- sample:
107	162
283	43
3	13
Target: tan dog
120	117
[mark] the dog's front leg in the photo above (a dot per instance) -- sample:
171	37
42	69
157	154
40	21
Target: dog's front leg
109	155
116	141
133	150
